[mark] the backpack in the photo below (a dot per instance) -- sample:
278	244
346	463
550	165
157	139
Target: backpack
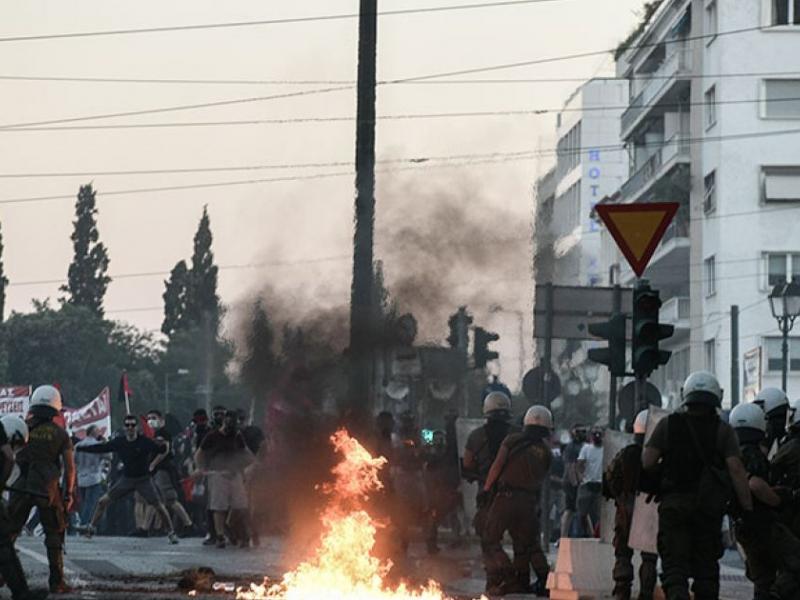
613	478
715	488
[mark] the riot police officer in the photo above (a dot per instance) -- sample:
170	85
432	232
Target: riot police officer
768	543
41	461
621	483
775	404
13	436
515	480
693	450
785	465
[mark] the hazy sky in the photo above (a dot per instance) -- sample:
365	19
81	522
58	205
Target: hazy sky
274	222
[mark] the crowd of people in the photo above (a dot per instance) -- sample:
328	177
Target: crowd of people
145	480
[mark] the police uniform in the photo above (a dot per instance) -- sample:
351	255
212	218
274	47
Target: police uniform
484	443
515	509
626	470
768	543
40	471
689	528
785	472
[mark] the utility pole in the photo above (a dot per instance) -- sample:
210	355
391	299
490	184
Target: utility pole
361	313
734	355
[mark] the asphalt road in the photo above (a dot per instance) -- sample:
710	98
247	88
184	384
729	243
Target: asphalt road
134	568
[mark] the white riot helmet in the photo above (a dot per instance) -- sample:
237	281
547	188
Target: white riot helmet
701	387
793	415
46	395
748	416
640	423
496	402
16	429
771	399
538	415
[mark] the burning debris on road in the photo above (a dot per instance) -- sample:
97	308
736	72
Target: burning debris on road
344	566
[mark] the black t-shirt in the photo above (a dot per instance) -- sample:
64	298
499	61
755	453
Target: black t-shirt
253	437
135	455
3	436
169	460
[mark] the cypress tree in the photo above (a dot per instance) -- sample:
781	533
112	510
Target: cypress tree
202	300
175	292
87	280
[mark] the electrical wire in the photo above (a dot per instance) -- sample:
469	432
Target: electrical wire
317	91
532	112
264	22
530	80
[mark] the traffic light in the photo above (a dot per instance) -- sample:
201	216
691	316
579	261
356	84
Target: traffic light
482	353
613	357
647	331
459	329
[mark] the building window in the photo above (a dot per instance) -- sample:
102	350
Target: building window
711	107
780	184
710	352
711	22
774	351
781	267
781	98
784	12
710	268
569	151
710	193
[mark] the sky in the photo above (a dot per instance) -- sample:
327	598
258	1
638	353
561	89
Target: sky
297	232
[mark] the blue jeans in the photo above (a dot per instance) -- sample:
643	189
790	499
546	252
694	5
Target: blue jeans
89	497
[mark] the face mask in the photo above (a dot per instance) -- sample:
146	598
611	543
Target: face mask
153	423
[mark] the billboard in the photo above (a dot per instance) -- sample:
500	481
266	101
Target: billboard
751	374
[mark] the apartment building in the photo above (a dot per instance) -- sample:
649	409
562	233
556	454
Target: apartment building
713	122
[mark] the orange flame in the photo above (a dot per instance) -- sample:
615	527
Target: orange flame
343	566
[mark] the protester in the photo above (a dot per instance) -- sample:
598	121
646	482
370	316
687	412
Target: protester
91	474
223	457
590	470
572	479
140	456
166	477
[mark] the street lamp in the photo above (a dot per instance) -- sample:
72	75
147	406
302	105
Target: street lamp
784	301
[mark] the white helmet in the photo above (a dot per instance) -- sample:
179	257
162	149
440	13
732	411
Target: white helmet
538	415
496	401
640	423
793	415
748	416
701	387
771	399
46	395
16	429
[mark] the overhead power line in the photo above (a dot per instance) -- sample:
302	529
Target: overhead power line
531	112
264	22
505	81
490	159
418	78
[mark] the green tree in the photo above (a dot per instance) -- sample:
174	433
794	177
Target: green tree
3	282
259	361
202	301
83	352
87	280
175	294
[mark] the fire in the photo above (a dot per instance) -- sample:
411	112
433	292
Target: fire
343	566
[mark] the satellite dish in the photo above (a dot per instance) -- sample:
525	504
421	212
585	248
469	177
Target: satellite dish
397	390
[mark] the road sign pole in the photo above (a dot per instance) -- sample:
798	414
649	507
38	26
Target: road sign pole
734	355
612	386
547	358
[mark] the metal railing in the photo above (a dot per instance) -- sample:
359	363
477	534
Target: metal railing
677	63
676	146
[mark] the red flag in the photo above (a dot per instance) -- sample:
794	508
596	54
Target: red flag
147	431
124	388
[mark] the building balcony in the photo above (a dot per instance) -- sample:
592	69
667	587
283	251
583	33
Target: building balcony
659	89
675	312
660	164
